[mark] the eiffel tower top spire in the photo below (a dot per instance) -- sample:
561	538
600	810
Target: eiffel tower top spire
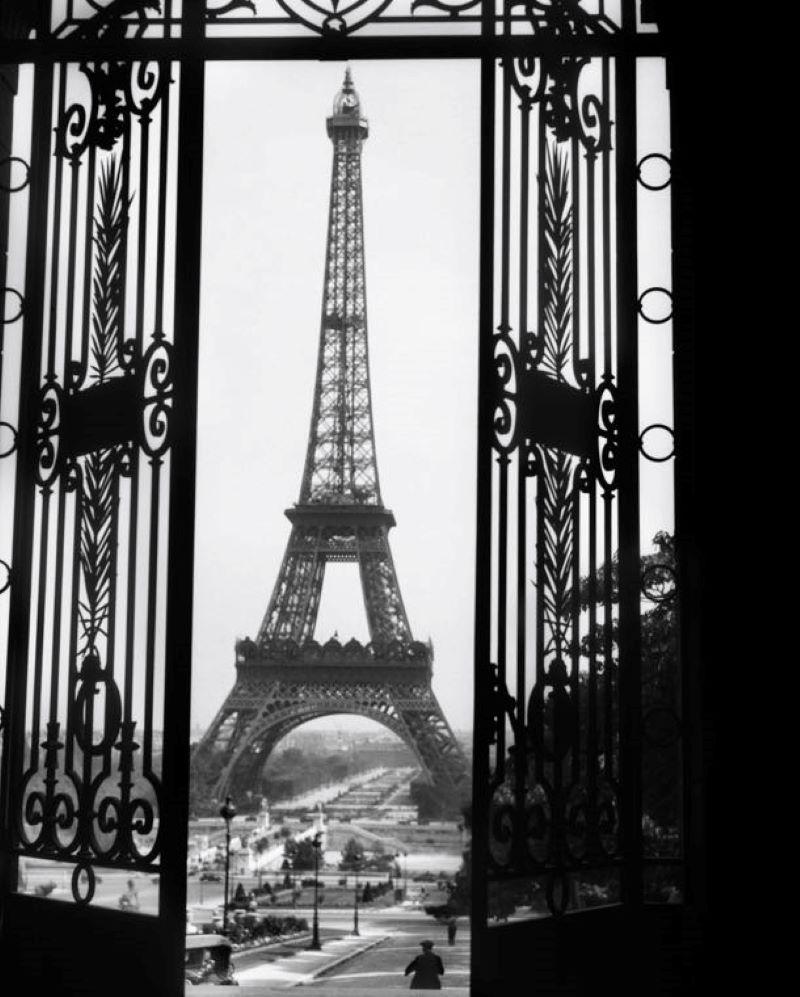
340	466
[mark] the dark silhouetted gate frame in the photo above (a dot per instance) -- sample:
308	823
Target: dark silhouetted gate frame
86	947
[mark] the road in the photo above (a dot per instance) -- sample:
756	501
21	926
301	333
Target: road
391	938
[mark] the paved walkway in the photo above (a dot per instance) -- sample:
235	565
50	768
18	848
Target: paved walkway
262	972
346	965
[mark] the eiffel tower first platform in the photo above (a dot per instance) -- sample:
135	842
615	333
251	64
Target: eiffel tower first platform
285	678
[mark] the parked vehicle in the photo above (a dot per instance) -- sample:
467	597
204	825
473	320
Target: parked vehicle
210	877
208	960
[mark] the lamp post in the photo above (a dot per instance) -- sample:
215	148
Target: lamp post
316	841
405	875
227	811
356	866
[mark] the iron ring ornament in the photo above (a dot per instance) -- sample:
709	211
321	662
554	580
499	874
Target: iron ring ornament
11	188
648	454
12	446
4	320
5	575
654	159
84	883
654	319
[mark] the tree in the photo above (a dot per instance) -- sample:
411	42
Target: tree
660	678
352	854
300	854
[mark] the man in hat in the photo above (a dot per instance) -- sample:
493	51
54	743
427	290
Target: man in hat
427	968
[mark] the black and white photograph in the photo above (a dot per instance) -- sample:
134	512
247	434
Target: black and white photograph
356	611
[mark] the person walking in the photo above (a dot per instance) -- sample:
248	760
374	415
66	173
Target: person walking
130	898
452	927
427	968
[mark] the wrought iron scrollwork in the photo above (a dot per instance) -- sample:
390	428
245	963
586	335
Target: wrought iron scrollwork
48	433
562	18
334	17
229	7
117	91
506	360
453	9
89	816
568	112
89	791
337	18
109	22
156	396
607	434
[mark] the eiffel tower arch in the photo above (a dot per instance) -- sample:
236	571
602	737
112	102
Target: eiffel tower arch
284	678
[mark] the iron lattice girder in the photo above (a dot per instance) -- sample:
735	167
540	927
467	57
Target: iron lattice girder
340	461
322	533
269	700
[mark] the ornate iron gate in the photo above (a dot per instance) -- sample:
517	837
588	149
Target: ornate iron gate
101	573
99	591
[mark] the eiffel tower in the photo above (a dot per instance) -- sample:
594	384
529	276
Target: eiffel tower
285	678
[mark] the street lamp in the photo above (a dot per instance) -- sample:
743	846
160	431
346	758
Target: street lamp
227	811
316	841
356	866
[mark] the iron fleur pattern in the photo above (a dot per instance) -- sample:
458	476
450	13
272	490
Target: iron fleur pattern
285	677
88	791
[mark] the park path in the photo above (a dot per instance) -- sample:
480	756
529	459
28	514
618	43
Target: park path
372	963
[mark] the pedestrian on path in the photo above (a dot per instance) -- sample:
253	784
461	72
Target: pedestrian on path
130	898
427	968
452	927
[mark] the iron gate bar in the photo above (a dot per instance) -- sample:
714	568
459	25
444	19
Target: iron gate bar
689	584
481	973
180	570
628	481
22	551
47	50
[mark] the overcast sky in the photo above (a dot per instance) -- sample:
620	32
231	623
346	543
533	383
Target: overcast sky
267	183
